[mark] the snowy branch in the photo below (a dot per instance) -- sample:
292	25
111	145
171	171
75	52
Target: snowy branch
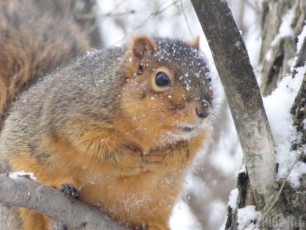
23	192
243	95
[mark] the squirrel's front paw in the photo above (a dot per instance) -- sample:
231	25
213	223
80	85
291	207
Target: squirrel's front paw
69	191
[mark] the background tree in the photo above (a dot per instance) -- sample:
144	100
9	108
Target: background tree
282	205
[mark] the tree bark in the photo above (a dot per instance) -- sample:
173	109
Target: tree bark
23	192
278	45
299	106
244	98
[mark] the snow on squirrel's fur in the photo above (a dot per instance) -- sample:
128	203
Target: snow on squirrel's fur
16	175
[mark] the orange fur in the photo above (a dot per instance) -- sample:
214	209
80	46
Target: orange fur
100	186
33	220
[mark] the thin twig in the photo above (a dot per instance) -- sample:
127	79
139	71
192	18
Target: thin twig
185	17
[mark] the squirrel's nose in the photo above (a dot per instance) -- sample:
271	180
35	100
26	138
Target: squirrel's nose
202	110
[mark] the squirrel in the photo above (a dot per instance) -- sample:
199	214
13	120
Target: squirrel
120	125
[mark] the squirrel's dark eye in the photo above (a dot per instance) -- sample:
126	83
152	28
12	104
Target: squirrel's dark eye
162	79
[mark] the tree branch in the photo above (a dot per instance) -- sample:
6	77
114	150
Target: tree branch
23	192
243	95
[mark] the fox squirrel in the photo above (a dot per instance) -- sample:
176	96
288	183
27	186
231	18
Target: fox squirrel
119	125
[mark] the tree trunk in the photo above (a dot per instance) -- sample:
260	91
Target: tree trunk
278	45
277	54
242	92
285	206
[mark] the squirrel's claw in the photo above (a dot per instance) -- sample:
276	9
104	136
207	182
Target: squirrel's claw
69	191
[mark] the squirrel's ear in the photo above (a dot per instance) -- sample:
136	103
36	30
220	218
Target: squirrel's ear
141	45
195	42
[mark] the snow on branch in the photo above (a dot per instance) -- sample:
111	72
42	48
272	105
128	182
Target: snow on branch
243	94
23	192
285	110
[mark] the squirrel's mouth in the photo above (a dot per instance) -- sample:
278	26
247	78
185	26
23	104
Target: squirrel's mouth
183	132
187	128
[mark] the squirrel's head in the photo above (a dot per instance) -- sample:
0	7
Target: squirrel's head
167	95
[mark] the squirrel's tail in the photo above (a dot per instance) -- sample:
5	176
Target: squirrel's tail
33	42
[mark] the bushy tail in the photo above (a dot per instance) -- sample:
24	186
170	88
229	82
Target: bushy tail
33	43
